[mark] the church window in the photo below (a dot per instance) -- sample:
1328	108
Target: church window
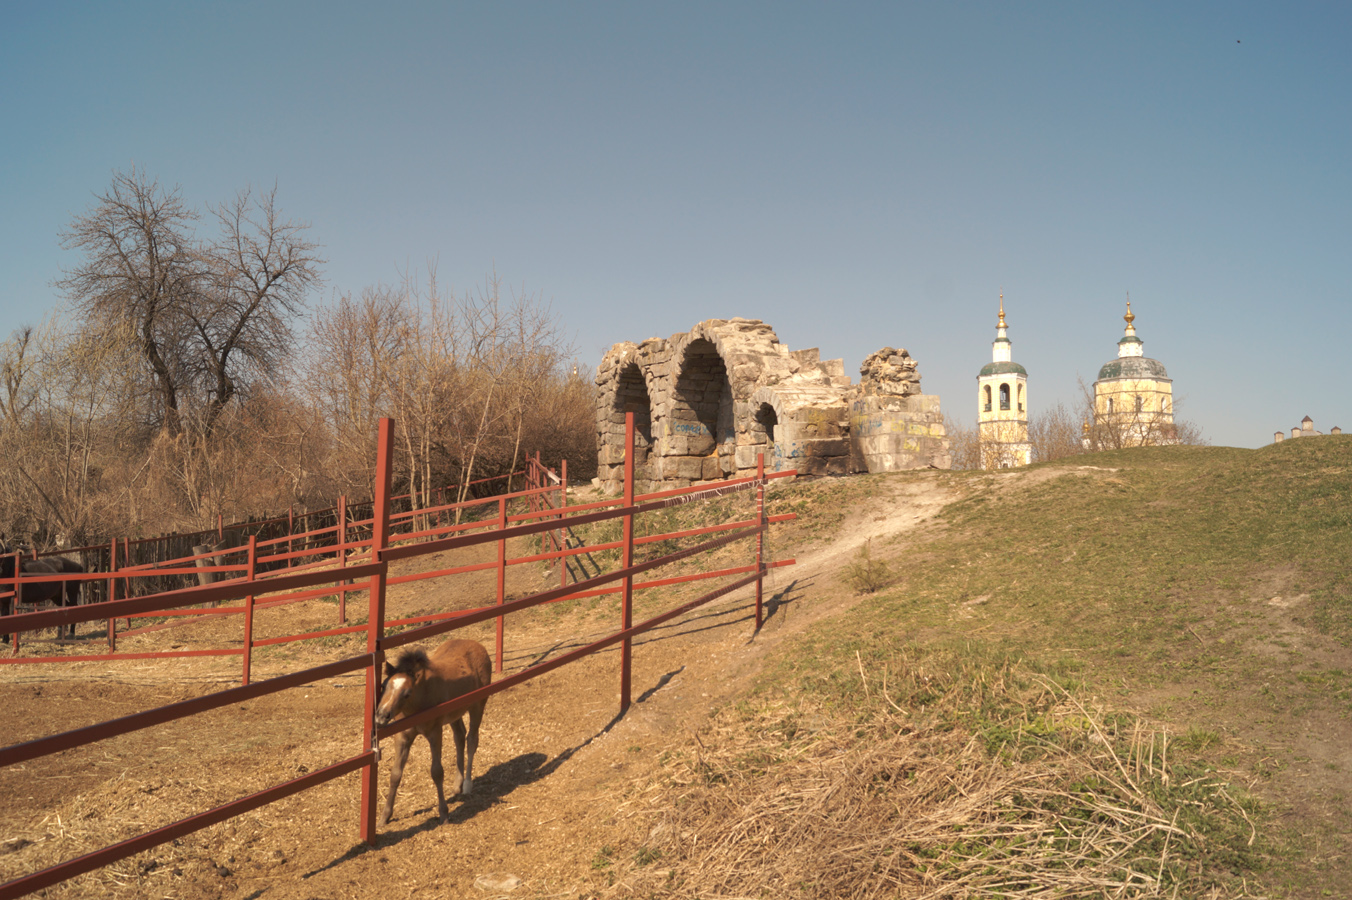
1020	398
1140	403
1110	405
987	407
1004	396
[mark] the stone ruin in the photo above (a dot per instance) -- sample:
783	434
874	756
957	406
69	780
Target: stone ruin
706	402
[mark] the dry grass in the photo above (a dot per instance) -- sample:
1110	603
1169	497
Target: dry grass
789	800
137	801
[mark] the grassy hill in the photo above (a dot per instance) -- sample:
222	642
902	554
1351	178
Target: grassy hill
1125	674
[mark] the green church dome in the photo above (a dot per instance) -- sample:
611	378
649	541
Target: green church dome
1136	367
1003	368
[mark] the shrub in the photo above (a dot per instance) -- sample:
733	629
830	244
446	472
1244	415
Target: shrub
865	574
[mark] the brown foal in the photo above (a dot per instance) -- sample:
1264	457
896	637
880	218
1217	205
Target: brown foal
417	682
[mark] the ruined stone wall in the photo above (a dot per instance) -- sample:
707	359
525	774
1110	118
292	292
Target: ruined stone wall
708	401
893	426
892	434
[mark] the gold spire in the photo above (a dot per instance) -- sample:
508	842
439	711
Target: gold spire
1002	309
1130	316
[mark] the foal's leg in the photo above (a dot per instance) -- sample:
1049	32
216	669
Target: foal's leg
476	715
458	729
402	740
438	774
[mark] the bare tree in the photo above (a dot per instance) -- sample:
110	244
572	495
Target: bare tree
1002	445
209	318
513	348
468	378
261	272
352	352
964	443
15	365
141	269
1054	433
65	415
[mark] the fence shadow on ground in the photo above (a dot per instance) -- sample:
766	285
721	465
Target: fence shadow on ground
705	620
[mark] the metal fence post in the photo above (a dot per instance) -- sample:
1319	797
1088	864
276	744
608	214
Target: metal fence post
14	603
126	581
502	574
380	527
627	603
760	537
249	608
563	532
112	594
340	535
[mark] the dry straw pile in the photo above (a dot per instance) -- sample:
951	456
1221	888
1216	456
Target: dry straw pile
787	801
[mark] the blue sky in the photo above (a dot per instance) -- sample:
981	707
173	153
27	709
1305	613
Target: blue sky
858	175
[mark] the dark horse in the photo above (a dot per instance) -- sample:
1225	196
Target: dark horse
418	681
63	593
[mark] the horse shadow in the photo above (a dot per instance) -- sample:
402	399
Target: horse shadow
490	788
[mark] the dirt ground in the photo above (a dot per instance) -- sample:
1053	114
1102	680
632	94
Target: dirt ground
554	761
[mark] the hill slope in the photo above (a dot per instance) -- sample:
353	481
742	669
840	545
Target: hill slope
1203	591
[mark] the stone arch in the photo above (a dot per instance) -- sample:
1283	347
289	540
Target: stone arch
700	424
632	396
748	348
1004	396
708	417
624	384
771	424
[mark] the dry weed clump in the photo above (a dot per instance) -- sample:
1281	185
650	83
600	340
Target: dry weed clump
787	801
866	575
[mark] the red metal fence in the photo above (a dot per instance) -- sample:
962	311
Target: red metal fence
308	528
547	514
349	535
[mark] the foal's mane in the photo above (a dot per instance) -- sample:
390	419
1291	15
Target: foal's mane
410	661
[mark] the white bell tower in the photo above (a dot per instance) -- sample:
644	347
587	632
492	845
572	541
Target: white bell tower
1002	405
